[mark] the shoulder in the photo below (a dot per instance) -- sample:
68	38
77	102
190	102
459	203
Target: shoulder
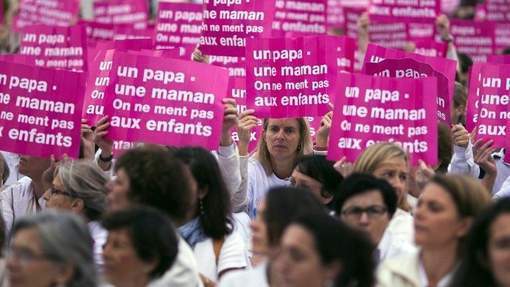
400	269
19	188
247	278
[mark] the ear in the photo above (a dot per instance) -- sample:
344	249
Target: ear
332	270
78	205
148	267
64	273
202	192
464	225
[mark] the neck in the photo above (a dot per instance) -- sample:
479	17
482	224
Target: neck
283	168
133	281
38	186
439	262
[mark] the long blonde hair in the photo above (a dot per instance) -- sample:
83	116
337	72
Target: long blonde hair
304	146
374	156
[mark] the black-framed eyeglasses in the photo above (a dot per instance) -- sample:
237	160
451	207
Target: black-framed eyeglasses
54	191
356	212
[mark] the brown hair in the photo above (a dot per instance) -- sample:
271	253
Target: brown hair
374	156
304	146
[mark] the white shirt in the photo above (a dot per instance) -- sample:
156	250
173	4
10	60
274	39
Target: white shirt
424	281
255	277
19	200
233	255
259	184
12	161
398	237
184	271
99	235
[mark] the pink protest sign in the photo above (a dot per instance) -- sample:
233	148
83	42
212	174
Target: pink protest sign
476	39
499	59
488	102
351	16
164	101
345	51
115	12
449	6
447	67
393	32
336	18
431	48
55	47
494	10
98	80
411	69
412	9
502	36
290	77
227	24
355	3
98	31
178	24
40	110
374	109
60	13
305	17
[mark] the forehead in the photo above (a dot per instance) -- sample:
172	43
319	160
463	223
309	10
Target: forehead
501	226
395	163
283	123
27	238
298	236
435	192
373	197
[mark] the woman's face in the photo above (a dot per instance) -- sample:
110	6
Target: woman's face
56	197
302	180
121	262
395	171
499	249
28	266
259	232
117	198
436	219
299	263
282	138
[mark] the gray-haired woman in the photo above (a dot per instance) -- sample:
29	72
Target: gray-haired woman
51	249
79	187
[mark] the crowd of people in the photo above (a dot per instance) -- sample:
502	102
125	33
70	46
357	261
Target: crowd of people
281	215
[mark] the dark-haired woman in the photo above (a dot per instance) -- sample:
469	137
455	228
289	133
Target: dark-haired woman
218	246
486	260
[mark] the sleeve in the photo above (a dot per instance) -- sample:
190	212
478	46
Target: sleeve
6	198
229	162
233	254
251	189
463	161
109	172
504	191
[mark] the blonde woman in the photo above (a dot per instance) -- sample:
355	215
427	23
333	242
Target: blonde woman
280	144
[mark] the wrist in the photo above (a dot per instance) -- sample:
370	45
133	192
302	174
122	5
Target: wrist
105	156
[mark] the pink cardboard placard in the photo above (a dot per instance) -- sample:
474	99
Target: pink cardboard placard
115	12
227	24
494	10
60	13
374	109
40	110
336	18
291	77
488	102
301	17
476	39
498	59
411	69
164	101
55	47
178	24
411	9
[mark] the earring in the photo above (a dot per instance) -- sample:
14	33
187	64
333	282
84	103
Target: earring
202	209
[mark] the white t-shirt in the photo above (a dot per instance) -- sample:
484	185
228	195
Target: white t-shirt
99	235
183	273
259	184
255	277
12	161
233	255
19	200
